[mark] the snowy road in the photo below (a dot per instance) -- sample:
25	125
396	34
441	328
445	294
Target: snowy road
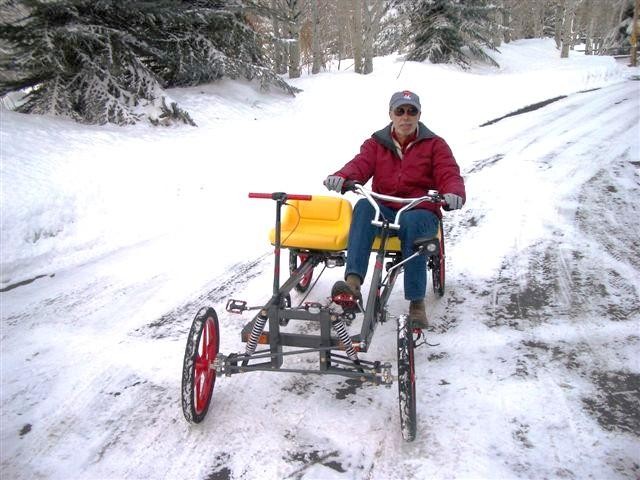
535	372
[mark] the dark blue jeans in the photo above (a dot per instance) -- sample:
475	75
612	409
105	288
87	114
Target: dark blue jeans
413	224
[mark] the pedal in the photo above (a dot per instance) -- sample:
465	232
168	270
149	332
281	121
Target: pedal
347	301
236	306
313	307
342	295
335	261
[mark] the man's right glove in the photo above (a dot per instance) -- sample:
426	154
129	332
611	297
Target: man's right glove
334	182
453	201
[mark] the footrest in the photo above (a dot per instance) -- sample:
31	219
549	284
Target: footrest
236	306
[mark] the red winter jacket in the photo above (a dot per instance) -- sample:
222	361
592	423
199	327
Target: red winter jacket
427	164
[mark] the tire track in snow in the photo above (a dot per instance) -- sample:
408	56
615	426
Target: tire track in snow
176	323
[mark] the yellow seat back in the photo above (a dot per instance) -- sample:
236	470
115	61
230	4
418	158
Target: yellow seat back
321	223
393	243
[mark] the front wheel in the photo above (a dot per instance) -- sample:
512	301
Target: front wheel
198	374
406	379
438	271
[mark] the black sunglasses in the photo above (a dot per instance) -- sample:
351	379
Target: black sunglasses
400	111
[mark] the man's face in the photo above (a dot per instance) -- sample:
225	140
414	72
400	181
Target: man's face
405	119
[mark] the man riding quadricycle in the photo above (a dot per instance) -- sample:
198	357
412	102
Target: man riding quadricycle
399	220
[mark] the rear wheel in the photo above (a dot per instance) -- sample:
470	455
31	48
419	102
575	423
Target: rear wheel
285	302
198	374
295	260
406	379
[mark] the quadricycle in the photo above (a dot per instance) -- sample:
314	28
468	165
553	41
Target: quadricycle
315	230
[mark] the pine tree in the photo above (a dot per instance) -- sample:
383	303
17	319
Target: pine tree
442	31
393	27
100	61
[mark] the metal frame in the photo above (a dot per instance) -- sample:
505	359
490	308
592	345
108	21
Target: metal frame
330	317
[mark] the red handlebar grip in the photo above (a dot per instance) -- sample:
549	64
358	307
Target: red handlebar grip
274	196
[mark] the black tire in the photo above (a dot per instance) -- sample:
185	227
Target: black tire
438	269
198	378
285	303
406	379
295	260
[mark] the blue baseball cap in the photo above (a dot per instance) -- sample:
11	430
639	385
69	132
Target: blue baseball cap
404	98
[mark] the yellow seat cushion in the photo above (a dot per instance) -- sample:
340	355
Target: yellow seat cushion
393	244
321	223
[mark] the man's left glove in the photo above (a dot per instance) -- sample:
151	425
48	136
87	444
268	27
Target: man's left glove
334	182
453	201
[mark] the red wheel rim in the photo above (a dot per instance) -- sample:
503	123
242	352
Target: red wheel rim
306	279
205	377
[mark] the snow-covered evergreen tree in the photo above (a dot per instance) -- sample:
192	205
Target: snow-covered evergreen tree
448	31
101	61
393	27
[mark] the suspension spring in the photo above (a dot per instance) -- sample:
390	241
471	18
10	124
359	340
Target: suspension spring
256	331
341	329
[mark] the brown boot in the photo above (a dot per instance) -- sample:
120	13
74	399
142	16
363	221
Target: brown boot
418	314
354	283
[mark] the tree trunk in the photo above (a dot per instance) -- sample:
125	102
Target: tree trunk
315	41
494	28
356	36
368	37
537	11
558	27
567	24
279	47
294	51
588	47
634	35
343	13
506	22
294	38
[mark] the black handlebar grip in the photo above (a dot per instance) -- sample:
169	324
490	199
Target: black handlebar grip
349	186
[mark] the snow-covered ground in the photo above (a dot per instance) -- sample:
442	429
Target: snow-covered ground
112	238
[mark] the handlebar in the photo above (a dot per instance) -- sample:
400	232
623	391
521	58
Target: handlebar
279	196
432	196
